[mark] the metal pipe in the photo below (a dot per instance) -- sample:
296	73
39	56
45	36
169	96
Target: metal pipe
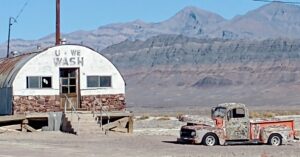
57	38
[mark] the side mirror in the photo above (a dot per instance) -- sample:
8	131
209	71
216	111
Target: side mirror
212	112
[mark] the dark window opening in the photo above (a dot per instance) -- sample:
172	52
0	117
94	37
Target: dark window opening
238	113
46	82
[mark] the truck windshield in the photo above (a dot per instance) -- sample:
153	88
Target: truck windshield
219	112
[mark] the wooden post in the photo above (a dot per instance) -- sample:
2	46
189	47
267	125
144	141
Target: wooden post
57	41
130	125
23	125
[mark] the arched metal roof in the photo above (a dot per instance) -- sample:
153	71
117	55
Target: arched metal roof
9	67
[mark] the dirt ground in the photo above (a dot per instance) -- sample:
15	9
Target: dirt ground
54	144
152	137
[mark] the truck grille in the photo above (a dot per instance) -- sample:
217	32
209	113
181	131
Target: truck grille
186	133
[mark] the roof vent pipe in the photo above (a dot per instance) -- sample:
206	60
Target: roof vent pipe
63	41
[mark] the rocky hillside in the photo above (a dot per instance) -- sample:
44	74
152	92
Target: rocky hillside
273	20
197	58
174	69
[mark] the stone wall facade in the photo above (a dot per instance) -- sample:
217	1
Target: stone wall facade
110	102
23	104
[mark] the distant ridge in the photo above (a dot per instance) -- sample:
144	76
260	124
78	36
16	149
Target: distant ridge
274	20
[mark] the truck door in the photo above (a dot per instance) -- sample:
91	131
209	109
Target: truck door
237	127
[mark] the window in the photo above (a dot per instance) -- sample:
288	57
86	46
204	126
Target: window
105	81
98	81
39	82
238	113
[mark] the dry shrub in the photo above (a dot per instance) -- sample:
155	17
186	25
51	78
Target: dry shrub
164	118
268	115
271	114
254	114
143	117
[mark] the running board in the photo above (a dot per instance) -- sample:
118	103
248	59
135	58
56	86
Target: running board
241	142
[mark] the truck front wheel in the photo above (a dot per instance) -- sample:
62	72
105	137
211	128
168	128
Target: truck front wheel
275	140
210	139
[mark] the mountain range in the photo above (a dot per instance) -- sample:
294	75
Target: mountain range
274	20
197	58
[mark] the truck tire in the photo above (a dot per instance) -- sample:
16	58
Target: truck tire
275	140
210	139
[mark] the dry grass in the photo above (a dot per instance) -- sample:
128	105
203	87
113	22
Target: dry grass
271	114
164	118
143	117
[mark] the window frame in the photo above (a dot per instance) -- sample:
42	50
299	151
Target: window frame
40	82
98	81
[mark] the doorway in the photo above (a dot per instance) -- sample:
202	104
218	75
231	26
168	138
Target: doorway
69	87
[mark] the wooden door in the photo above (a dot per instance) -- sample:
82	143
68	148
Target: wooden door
69	87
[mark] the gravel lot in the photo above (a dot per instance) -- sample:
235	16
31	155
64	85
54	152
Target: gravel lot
54	144
153	137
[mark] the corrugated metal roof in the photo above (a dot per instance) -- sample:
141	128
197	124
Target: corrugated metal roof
9	67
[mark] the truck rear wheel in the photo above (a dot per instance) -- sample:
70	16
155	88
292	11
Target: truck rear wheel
210	139
275	140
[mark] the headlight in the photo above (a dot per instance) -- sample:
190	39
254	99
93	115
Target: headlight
193	133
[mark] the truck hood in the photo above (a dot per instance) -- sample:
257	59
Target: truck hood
198	127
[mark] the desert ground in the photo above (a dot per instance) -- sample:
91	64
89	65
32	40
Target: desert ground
153	136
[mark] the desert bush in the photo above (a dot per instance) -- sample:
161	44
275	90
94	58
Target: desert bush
164	118
143	117
268	115
254	114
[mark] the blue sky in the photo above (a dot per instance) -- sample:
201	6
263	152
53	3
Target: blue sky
38	17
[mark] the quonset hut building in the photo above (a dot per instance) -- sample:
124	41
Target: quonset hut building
42	81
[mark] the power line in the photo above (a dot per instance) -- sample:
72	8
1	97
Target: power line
22	9
287	2
13	20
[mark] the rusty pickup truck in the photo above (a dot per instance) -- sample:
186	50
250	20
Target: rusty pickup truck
232	125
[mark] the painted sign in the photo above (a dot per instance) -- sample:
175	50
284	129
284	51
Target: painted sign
68	58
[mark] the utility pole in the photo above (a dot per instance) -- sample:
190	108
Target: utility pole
10	23
57	38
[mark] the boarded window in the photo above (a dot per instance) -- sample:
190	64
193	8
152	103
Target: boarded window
39	82
99	81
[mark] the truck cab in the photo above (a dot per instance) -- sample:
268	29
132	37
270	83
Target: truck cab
232	125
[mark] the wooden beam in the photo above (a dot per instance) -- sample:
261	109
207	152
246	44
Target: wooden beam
29	128
117	129
116	114
12	118
121	123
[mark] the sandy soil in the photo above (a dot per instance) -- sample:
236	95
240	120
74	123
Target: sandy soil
54	144
153	137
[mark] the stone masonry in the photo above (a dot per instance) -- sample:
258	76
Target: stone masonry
23	104
115	102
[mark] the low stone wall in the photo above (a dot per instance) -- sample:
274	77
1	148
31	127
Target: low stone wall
114	102
22	104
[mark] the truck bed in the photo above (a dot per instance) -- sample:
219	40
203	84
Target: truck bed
256	127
